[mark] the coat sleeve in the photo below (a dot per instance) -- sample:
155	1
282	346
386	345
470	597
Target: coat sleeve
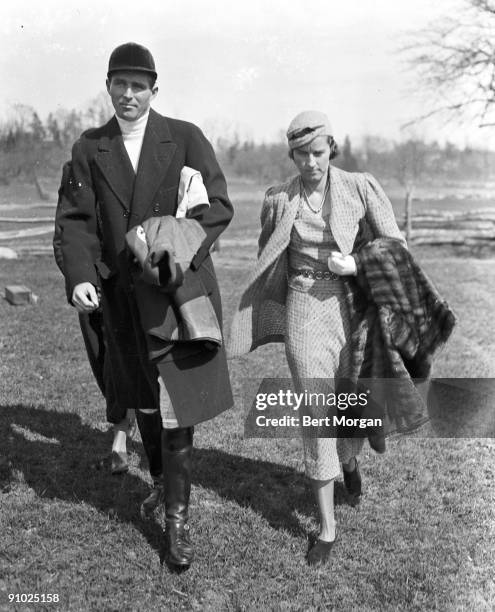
57	234
267	219
214	220
77	223
379	212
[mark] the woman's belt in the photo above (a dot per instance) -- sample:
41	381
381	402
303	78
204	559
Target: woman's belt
314	274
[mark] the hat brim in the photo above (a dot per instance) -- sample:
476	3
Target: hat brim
132	69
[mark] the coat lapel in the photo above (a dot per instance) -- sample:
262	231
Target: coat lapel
114	163
346	209
287	205
156	154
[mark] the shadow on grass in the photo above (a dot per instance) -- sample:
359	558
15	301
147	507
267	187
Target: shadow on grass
272	490
60	457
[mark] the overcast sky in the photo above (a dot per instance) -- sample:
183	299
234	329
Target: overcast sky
225	64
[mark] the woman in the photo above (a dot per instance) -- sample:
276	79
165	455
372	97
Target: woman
296	295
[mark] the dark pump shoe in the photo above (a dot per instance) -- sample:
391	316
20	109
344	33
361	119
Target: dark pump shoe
154	499
353	484
319	553
177	458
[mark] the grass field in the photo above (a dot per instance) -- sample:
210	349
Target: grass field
422	538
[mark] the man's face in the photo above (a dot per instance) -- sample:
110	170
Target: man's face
131	93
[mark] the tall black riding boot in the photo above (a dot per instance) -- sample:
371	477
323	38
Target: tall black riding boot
177	445
150	428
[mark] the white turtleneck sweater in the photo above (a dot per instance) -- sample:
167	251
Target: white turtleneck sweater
133	134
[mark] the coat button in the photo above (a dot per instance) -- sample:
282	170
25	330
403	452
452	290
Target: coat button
126	213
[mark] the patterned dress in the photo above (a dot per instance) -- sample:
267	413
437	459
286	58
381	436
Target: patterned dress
318	337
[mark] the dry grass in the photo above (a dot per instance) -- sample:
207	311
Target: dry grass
422	538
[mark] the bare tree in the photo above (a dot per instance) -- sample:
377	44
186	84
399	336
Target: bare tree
455	61
23	143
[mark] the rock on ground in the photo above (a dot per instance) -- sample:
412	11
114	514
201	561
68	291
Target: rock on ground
6	253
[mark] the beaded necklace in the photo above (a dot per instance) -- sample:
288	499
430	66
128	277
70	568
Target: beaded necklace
306	199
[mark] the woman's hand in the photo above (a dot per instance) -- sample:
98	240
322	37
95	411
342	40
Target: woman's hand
343	265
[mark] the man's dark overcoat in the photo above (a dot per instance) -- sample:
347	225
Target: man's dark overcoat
103	199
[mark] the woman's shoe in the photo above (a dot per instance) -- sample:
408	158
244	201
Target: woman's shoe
319	553
353	484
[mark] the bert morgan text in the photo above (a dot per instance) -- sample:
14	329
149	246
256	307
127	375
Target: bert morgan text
308	421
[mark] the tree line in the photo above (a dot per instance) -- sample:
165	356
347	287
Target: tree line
31	148
405	161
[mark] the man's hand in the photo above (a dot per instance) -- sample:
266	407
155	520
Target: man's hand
85	297
343	265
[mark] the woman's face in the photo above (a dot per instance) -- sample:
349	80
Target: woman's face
312	160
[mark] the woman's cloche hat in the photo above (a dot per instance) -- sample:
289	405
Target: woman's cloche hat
307	126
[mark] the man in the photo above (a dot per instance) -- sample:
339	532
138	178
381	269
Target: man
124	173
